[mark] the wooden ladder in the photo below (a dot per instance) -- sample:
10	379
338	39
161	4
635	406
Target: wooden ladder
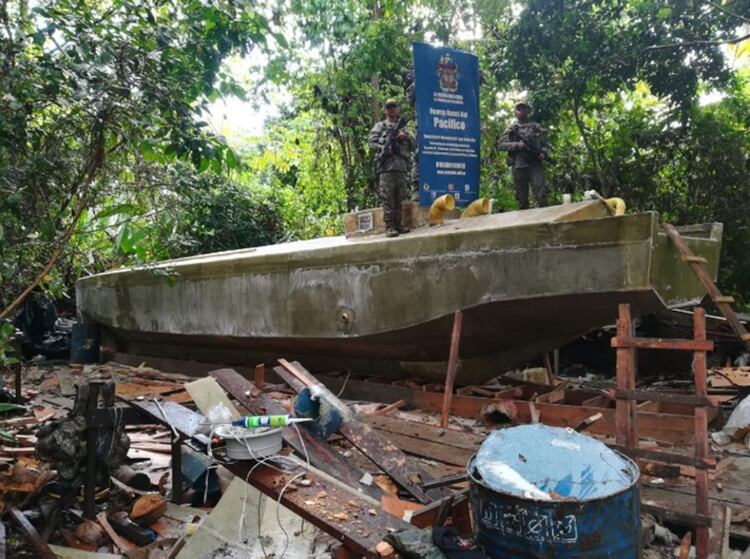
722	302
627	397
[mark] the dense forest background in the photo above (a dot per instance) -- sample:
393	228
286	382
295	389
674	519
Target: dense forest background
107	157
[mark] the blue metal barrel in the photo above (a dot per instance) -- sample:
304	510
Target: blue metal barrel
557	498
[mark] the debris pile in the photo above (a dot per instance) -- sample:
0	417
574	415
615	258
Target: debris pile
374	474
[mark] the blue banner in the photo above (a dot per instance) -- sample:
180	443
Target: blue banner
447	87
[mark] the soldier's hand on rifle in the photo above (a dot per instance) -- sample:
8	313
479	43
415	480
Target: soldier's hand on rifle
520	146
402	136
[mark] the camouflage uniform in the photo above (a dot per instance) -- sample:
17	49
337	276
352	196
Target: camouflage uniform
527	168
392	171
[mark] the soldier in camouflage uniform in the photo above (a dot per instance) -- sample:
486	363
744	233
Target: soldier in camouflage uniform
527	167
392	167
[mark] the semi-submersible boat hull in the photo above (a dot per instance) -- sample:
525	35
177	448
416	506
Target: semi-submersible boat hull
527	281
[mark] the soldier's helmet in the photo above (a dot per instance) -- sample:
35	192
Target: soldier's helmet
521	104
391	103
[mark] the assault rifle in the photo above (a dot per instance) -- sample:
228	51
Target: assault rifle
533	143
391	146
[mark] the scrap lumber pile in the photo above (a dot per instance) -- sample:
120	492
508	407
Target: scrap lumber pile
389	467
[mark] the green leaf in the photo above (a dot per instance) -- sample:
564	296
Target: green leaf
664	13
6	407
281	40
123	239
47	229
231	159
7	330
7	437
39	38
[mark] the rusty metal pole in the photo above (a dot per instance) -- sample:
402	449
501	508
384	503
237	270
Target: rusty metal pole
450	377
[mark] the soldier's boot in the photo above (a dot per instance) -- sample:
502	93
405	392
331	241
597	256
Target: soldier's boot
403	229
391	232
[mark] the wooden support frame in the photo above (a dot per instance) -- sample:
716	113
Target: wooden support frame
628	397
450	377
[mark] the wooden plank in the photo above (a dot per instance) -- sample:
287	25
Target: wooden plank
260	375
719	533
625	410
672	344
422	431
36	540
450	376
729	377
321	456
671	428
668	513
404	471
452	479
702	505
666	457
683	505
391	408
432	450
333	507
667	397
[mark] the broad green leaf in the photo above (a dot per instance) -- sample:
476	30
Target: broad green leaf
7	437
663	13
6	407
281	40
231	159
6	330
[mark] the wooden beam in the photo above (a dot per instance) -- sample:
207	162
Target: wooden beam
450	376
667	427
626	417
667	397
701	435
666	457
387	456
36	540
260	375
673	344
671	515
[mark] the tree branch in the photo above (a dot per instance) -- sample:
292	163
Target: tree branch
731	14
704	43
93	165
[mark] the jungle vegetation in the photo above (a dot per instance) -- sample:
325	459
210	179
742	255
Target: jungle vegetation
106	158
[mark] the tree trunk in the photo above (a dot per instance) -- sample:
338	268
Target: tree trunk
589	149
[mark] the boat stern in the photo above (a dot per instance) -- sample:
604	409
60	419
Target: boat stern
672	278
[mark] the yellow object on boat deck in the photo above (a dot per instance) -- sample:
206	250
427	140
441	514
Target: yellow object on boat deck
480	206
441	205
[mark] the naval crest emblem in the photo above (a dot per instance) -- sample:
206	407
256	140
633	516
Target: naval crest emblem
448	73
